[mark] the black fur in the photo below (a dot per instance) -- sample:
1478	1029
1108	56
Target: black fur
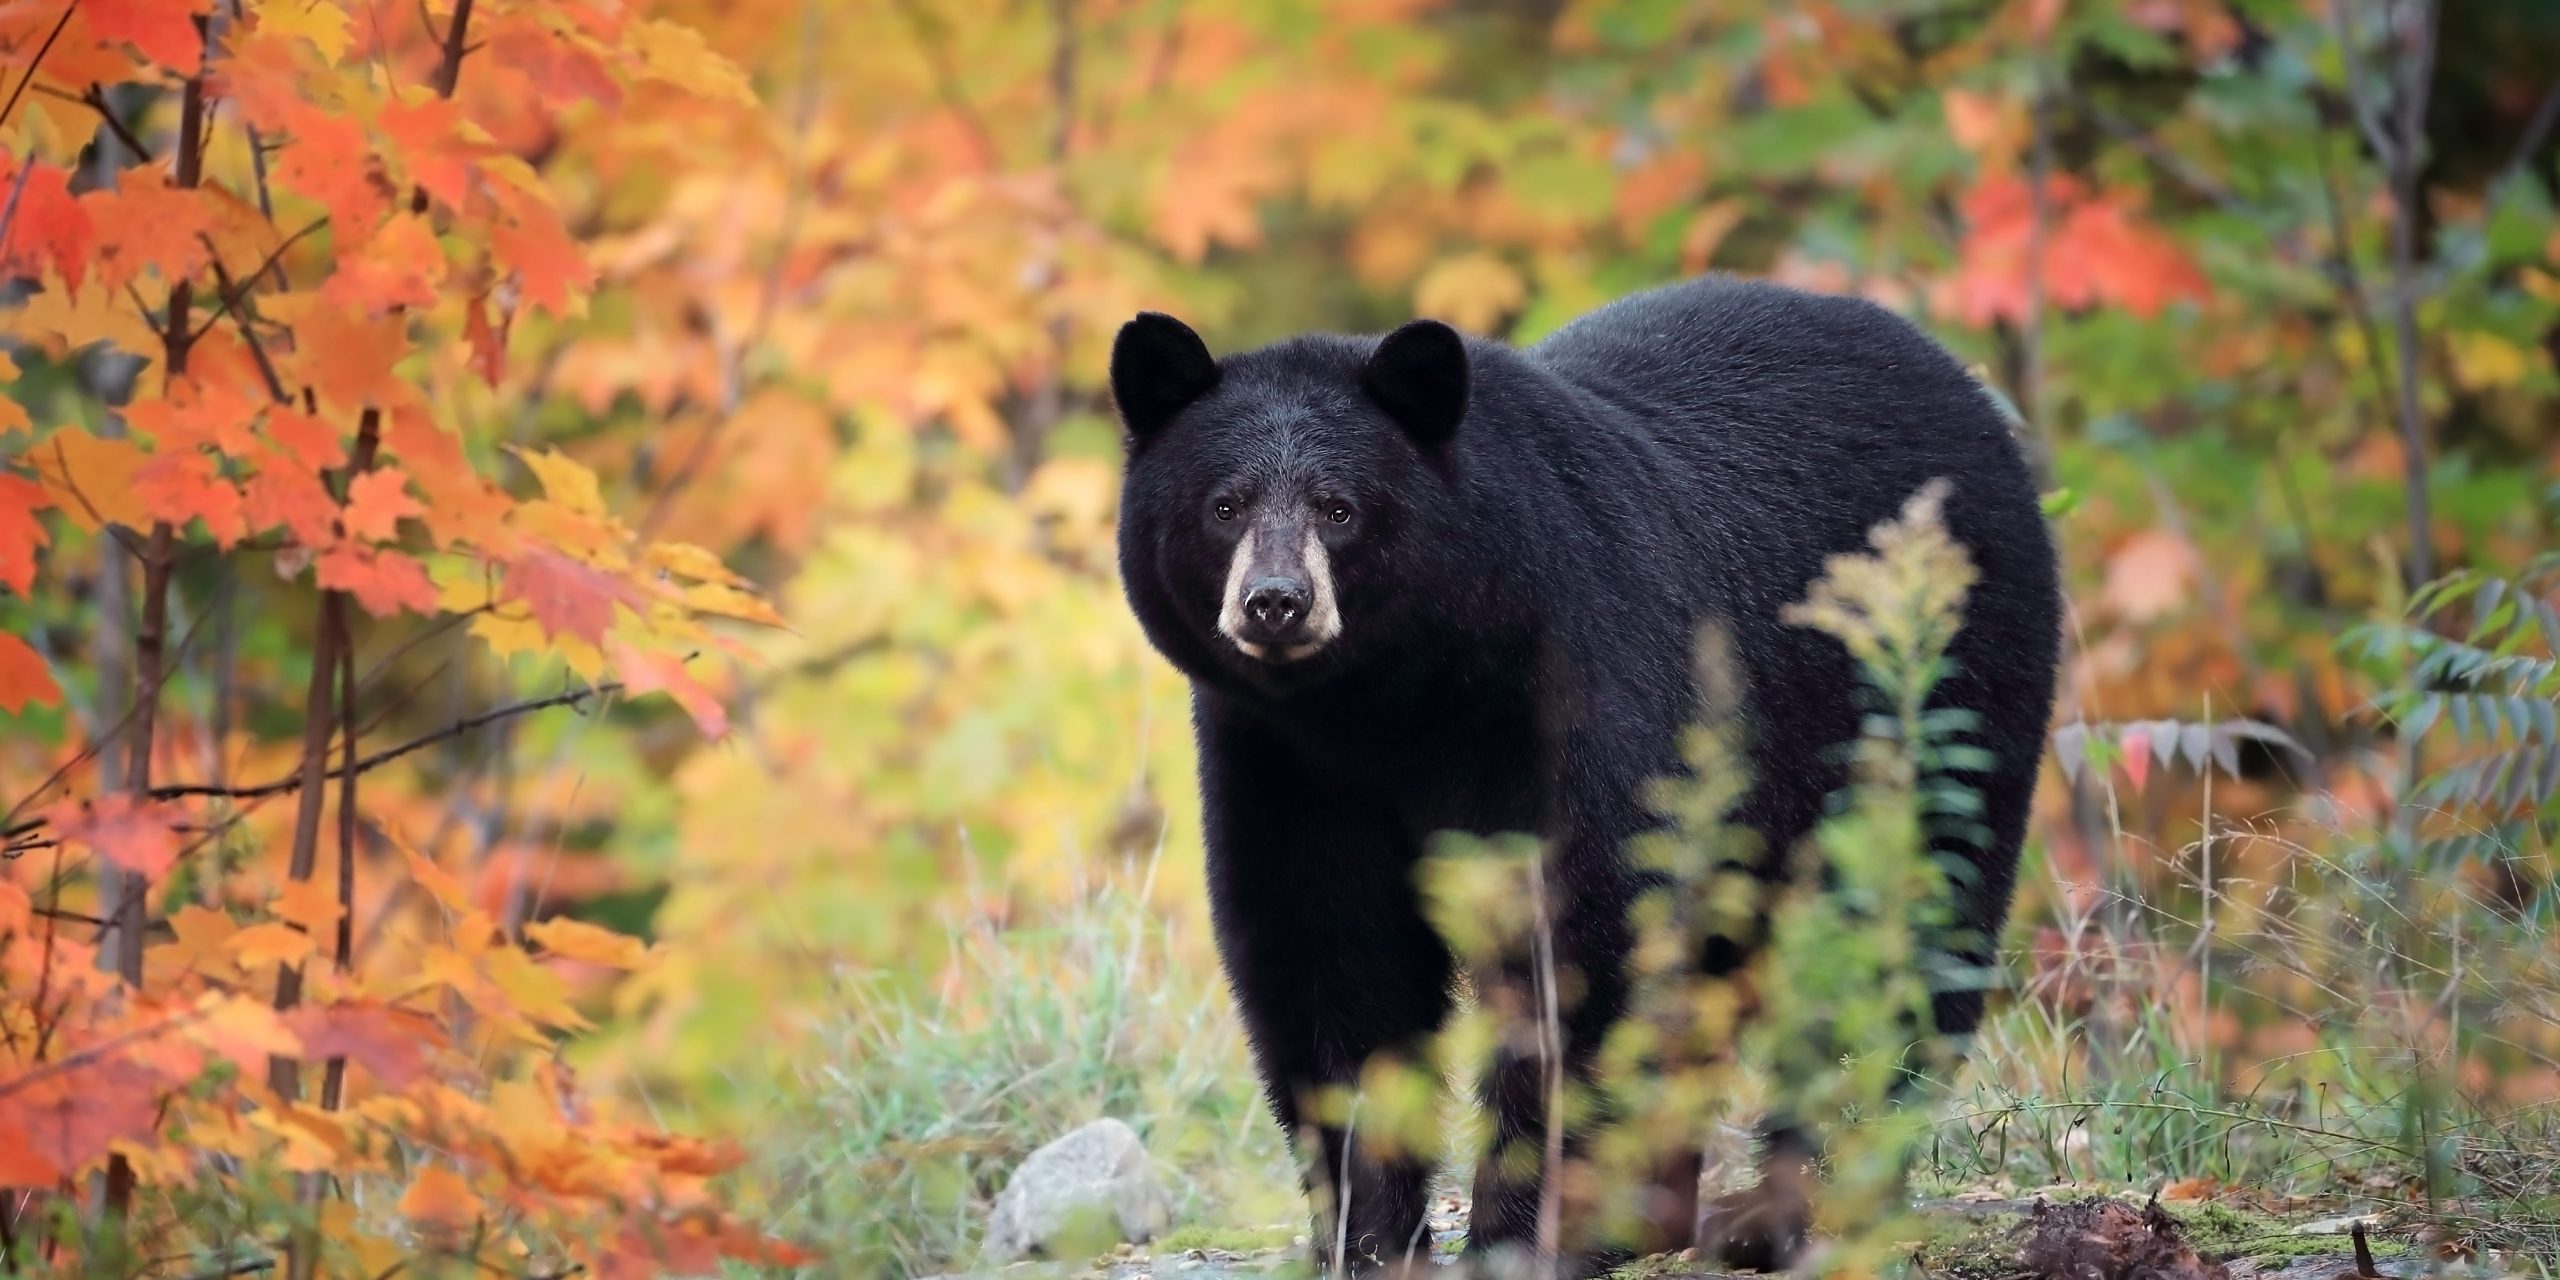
1539	534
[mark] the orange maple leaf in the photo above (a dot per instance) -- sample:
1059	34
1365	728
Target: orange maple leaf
382	580
568	598
284	493
140	836
24	678
377	502
179	487
439	1198
198	413
331	161
550	267
20	531
312	440
310	904
400	266
146	222
426	139
348	359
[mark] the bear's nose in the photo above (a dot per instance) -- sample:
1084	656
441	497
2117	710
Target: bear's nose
1274	607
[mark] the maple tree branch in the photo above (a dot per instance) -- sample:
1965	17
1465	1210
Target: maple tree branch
233	294
249	334
96	100
448	70
333	1077
2413	76
284	1075
9	213
366	764
36	63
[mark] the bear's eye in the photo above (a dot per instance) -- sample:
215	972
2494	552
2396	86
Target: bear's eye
1226	510
1340	514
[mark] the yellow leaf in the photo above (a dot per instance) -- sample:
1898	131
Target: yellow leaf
434	879
91	480
310	904
203	934
318	21
1472	291
247	1031
313	1141
729	602
530	989
578	940
269	943
13	416
565	480
677	55
685	560
2488	360
89	314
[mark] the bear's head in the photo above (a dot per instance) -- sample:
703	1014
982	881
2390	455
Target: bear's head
1276	500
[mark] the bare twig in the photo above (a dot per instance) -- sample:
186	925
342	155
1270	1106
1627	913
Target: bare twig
36	63
2413	76
96	100
232	294
385	756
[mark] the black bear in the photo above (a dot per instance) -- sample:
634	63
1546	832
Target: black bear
1428	582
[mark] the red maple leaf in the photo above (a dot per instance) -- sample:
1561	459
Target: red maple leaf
20	531
391	1043
567	597
50	226
140	836
382	580
162	30
68	1118
24	678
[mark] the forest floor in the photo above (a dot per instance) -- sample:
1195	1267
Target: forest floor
2064	1233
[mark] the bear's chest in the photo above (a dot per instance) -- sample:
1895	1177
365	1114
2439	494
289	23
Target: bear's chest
1481	765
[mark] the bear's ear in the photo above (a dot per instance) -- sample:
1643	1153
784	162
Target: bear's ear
1418	375
1158	365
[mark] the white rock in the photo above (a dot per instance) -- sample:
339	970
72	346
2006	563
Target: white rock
1100	1169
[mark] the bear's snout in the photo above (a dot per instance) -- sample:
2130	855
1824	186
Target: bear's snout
1279	602
1275	611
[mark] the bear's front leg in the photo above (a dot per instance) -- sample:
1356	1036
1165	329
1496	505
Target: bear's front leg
1586	965
1321	931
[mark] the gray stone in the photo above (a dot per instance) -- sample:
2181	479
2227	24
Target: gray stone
1097	1173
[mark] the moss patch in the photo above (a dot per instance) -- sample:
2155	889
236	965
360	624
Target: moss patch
1201	1235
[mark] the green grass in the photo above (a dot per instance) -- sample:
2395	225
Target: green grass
918	1108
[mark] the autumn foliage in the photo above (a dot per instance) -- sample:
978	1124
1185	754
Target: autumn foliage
292	254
